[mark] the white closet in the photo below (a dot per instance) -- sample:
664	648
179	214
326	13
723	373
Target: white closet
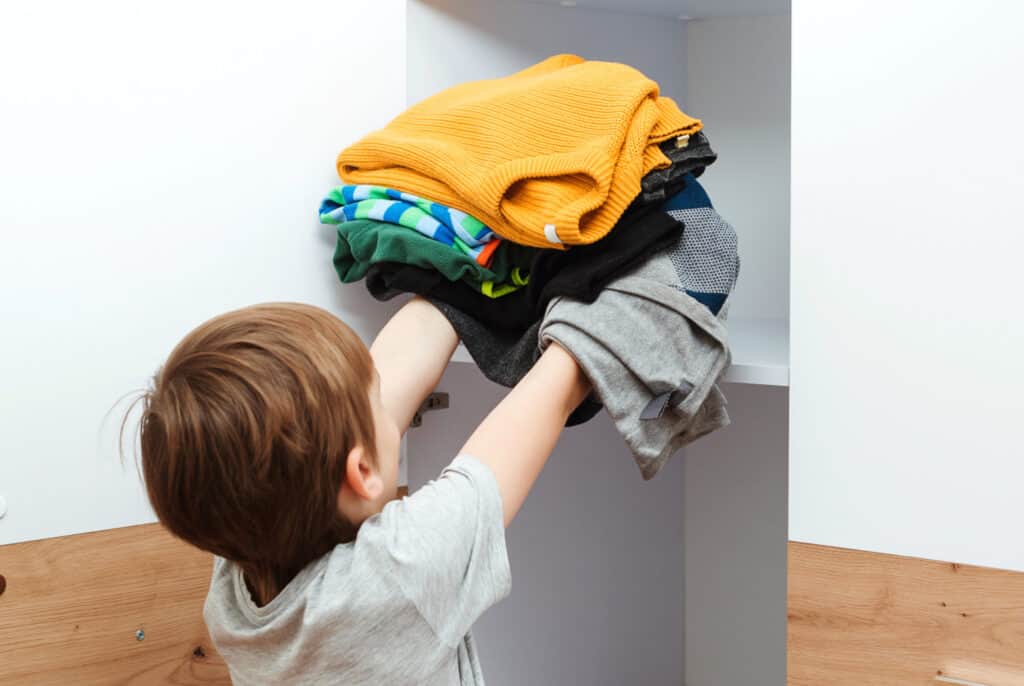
683	578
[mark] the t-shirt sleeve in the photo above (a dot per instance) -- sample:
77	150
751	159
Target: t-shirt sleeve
444	546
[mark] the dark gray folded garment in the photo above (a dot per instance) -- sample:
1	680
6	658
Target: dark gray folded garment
654	355
693	158
504	357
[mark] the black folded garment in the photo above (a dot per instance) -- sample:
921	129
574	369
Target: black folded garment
579	272
501	333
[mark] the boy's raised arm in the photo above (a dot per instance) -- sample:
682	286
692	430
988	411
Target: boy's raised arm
517	437
411	353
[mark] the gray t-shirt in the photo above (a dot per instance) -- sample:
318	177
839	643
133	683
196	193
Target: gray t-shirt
393	607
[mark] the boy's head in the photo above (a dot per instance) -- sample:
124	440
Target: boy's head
263	439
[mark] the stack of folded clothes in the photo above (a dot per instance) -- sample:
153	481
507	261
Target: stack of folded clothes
559	203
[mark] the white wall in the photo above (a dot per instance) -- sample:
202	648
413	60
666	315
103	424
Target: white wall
596	555
694	8
735	480
451	41
161	163
908	170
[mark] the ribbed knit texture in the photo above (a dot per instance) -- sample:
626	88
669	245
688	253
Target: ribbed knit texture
564	143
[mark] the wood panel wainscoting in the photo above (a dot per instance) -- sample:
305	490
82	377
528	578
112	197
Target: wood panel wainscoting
122	606
857	619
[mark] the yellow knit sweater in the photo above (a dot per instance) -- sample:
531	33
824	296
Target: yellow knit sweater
550	156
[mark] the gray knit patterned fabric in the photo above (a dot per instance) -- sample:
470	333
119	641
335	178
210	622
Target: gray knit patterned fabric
707	258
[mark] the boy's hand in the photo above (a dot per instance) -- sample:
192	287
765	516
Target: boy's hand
517	437
411	353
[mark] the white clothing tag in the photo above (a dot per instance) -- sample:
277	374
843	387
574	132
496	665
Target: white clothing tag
551	234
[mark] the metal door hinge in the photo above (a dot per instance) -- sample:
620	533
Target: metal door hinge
434	401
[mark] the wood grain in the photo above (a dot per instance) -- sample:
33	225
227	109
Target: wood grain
73	605
859	618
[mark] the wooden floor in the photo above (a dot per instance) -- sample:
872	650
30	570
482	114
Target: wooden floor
74	610
858	619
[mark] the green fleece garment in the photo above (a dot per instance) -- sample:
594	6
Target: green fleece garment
363	242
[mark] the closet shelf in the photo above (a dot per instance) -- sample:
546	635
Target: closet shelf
760	352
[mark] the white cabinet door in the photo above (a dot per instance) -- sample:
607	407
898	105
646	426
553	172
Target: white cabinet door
907	386
160	163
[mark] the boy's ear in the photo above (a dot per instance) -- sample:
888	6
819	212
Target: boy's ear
361	476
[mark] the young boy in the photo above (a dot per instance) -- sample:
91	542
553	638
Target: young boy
270	438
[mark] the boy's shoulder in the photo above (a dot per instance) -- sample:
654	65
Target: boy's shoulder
341	584
401	537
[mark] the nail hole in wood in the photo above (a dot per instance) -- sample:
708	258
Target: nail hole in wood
3	584
199	652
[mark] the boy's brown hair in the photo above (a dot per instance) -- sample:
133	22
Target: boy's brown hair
245	432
